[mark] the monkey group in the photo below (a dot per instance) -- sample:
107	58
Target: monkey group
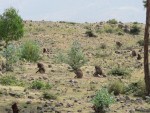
98	72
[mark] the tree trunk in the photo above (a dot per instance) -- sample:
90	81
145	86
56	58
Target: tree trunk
146	42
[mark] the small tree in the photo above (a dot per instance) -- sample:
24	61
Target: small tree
76	58
11	26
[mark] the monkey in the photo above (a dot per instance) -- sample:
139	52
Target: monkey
139	57
15	108
133	53
119	44
79	73
41	68
98	72
44	50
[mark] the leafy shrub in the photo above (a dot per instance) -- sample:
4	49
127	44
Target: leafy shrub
102	100
117	87
76	58
135	29
11	54
89	33
30	51
120	33
47	95
60	58
137	88
109	29
119	72
10	80
141	42
112	21
37	84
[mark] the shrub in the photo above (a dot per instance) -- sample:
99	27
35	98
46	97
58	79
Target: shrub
47	95
60	58
37	84
137	88
11	80
89	33
141	42
76	58
102	100
30	51
109	29
135	29
112	21
11	54
117	87
119	72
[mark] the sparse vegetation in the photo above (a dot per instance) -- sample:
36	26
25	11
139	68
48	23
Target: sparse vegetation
30	51
38	84
90	33
47	95
135	29
112	21
119	72
11	81
102	100
117	87
137	88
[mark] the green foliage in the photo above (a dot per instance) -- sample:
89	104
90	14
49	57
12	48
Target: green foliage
11	54
109	29
30	51
60	58
47	95
135	29
112	21
137	88
37	84
102	100
11	25
76	58
145	3
141	42
11	80
117	87
119	72
90	33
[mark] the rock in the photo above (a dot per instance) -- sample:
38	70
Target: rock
29	102
30	97
39	108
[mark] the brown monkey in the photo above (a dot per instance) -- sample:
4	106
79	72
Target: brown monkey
15	108
133	53
44	50
139	57
41	68
119	44
98	72
79	73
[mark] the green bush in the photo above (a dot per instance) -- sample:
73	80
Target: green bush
137	88
109	29
119	72
60	58
76	58
47	95
102	100
30	51
11	53
112	21
11	80
135	29
90	33
141	42
117	87
37	84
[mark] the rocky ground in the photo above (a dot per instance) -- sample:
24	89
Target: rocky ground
74	95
